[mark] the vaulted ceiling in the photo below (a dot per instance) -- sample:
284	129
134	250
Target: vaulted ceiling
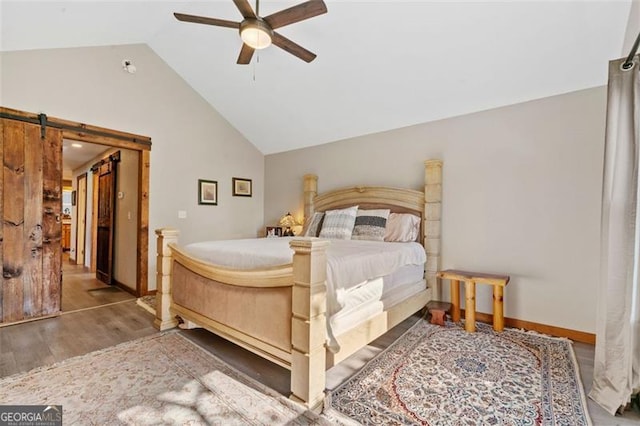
381	64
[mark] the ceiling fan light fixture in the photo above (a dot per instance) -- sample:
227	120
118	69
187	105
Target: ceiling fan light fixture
255	33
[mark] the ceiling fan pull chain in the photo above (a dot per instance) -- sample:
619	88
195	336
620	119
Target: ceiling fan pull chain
254	66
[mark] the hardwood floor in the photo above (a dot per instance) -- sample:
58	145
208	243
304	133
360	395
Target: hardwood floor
91	319
42	342
29	345
277	377
585	354
81	289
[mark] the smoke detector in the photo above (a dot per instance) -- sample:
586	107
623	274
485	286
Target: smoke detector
128	66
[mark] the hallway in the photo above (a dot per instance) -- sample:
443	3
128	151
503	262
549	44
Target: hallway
81	290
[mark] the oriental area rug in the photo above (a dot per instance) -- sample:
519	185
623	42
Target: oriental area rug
437	375
164	379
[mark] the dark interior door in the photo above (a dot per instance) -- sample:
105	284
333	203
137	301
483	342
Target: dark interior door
30	231
106	221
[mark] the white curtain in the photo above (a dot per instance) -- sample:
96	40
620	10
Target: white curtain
616	375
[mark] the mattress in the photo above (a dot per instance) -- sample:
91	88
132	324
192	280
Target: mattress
379	288
350	263
374	296
344	321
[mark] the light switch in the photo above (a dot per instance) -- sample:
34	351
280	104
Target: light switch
182	214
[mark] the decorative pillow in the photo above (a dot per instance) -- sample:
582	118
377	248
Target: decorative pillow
370	225
314	224
338	224
402	228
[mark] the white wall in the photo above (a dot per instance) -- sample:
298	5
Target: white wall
88	219
190	139
126	226
88	235
521	188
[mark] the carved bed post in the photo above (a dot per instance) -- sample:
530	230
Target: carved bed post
432	225
308	323
164	320
310	192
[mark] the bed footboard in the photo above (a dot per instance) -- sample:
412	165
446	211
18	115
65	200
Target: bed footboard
303	353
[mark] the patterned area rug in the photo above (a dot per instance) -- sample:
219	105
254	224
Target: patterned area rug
444	376
161	379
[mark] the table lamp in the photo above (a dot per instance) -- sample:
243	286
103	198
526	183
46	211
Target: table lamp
287	221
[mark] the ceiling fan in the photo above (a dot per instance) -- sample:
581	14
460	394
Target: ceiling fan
258	32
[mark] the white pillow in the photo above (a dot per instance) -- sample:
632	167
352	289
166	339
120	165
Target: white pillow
338	224
402	228
370	224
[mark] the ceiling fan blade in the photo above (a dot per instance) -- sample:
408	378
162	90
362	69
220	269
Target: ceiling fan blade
245	8
293	48
206	21
246	53
297	13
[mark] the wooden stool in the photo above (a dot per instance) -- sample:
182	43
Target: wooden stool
438	311
470	279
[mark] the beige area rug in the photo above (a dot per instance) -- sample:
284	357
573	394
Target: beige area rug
162	379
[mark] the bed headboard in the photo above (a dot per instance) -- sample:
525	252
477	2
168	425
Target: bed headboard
427	205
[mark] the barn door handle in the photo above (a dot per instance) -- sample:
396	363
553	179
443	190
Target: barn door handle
57	218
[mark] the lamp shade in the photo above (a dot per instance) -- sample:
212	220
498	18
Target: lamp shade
287	221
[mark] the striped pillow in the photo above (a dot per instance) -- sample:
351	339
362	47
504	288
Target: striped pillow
370	225
314	225
338	224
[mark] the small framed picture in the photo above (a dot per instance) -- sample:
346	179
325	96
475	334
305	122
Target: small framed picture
241	187
73	198
274	231
208	192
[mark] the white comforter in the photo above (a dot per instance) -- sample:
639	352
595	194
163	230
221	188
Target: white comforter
349	262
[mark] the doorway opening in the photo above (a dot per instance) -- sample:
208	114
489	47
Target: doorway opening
99	260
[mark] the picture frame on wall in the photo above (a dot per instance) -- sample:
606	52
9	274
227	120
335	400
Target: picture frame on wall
207	192
242	187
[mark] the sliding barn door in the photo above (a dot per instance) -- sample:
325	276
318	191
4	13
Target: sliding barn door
106	219
30	206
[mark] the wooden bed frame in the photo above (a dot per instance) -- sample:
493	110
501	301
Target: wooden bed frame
279	312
